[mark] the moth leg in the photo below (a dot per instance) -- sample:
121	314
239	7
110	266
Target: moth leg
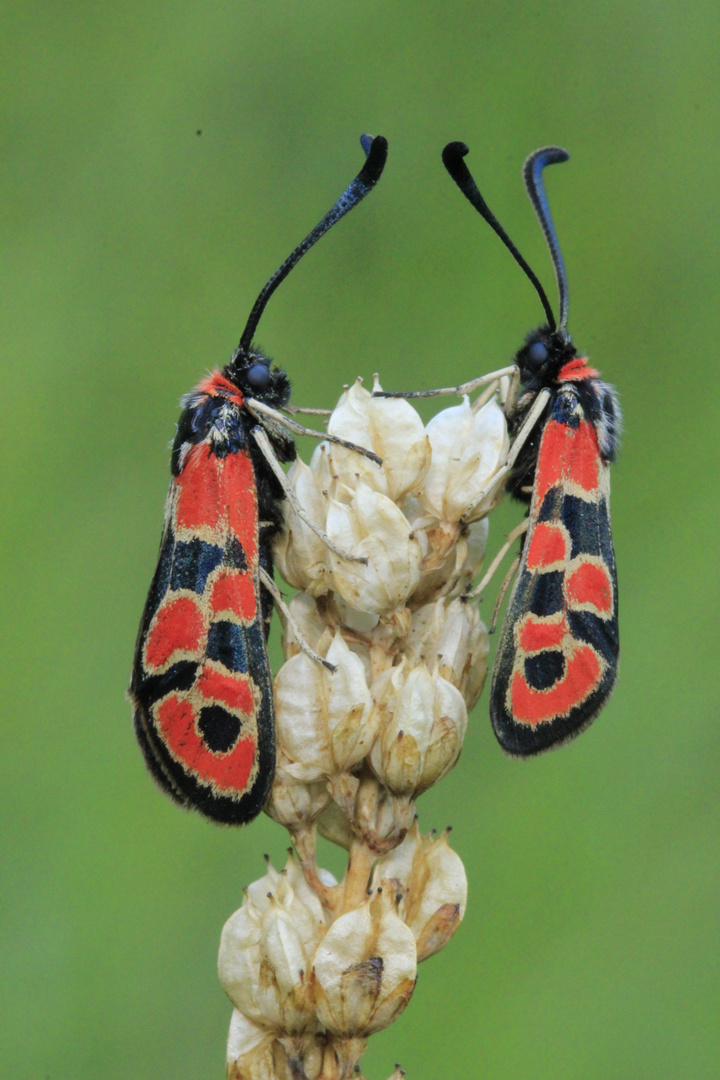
460	391
264	443
272	588
256	407
293	409
512	537
503	589
529	423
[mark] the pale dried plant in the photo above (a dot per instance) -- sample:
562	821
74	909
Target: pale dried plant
314	966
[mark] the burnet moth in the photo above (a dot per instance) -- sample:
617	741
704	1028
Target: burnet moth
201	685
557	655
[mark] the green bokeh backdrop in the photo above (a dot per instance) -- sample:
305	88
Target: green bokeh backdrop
133	249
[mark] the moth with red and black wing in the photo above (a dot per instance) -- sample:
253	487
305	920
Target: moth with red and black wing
201	684
556	661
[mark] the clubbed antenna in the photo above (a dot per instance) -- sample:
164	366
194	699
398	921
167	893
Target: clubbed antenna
453	156
376	150
532	174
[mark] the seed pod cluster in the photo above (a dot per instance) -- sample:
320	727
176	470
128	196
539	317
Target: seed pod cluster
314	966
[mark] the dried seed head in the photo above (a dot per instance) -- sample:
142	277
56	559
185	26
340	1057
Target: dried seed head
451	639
434	885
392	429
300	554
310	980
467	450
422	726
293	802
267	947
250	1050
365	969
323	718
372	526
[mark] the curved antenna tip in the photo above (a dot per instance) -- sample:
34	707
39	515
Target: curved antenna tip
546	155
455	150
532	175
376	150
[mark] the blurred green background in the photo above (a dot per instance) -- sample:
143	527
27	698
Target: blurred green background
158	162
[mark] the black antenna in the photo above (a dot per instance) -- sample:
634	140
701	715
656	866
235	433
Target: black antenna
376	150
452	156
532	174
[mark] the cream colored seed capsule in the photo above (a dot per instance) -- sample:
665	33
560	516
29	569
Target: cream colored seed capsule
323	718
433	879
365	969
422	728
267	948
371	525
467	450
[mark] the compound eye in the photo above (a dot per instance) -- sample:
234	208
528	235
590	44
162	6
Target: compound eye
538	353
258	376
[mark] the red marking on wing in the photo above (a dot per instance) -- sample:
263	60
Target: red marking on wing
227	771
548	546
214	492
582	675
577	369
200	495
535	635
178	627
567	455
231	690
242	503
216	384
590	584
234	591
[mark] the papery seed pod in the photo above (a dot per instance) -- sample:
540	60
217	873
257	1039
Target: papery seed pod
452	556
468	448
351	415
334	826
304	1054
375	815
365	969
372	526
295	802
305	612
250	1050
323	718
452	640
266	951
298	550
423	737
435	885
393	430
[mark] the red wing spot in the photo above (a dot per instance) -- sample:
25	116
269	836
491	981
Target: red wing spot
567	456
585	461
549	471
582	675
548	546
199	503
590	584
240	497
577	369
235	591
231	690
227	772
178	626
534	635
216	492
